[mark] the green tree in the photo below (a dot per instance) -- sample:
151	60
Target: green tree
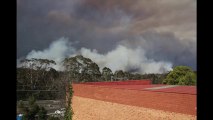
20	107
69	112
69	77
42	114
119	75
127	75
136	76
33	108
33	111
37	68
53	118
106	74
82	69
181	75
36	74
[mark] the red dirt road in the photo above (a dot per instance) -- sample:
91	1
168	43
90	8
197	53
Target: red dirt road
173	102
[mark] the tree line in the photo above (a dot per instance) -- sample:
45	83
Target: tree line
38	74
38	79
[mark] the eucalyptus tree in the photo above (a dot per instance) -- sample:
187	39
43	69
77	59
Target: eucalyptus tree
81	69
107	74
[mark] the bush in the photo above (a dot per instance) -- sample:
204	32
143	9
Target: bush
53	118
181	75
42	114
33	110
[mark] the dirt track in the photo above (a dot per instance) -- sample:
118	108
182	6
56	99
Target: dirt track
172	102
90	109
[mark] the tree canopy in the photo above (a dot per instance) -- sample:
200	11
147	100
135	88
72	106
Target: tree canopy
106	74
181	75
82	69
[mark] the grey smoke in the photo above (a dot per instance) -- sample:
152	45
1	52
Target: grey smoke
164	30
165	46
57	51
120	58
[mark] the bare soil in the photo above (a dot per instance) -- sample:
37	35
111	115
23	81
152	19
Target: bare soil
171	102
91	109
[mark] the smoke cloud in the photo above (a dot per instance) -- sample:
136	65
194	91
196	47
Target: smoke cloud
120	58
127	59
57	51
162	30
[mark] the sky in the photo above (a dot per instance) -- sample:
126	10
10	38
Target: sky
146	36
